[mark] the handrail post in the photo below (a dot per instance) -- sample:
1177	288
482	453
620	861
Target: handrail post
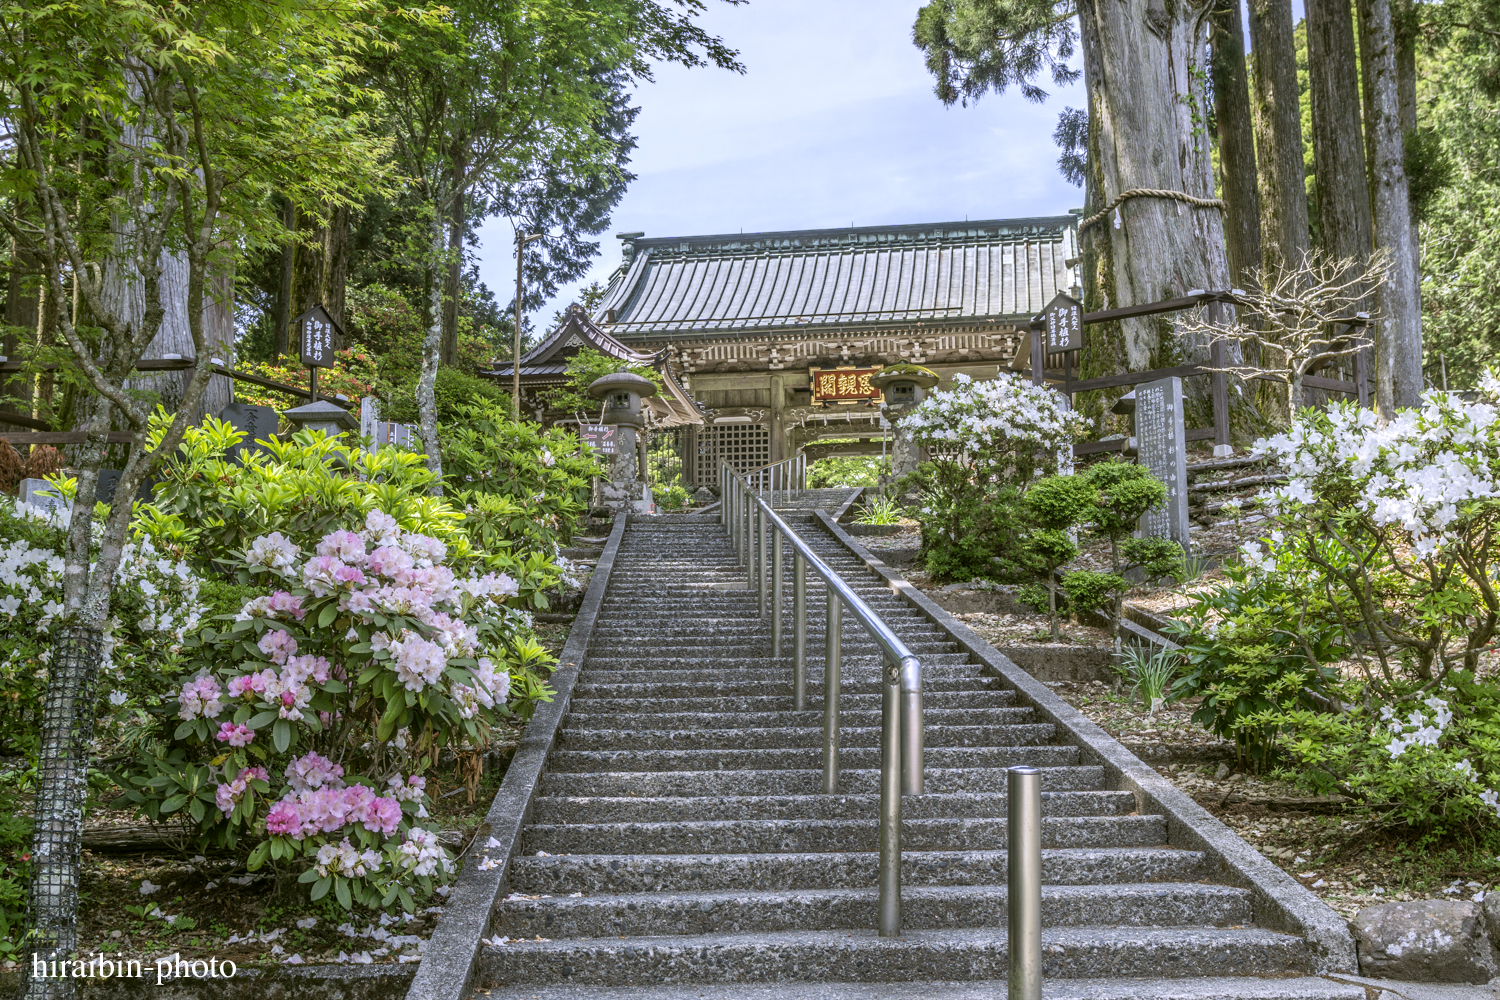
890	800
750	533
761	552
832	654
1024	882
775	594
912	735
799	633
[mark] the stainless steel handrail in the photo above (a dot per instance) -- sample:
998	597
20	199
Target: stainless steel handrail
785	475
748	519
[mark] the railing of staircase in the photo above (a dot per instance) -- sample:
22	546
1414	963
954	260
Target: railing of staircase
757	532
785	475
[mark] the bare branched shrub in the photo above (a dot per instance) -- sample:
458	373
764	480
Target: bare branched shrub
1298	318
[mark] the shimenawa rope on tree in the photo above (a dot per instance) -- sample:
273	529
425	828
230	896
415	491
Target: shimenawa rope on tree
1149	193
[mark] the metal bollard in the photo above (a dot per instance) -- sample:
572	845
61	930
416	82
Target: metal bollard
832	653
776	586
750	536
799	633
1024	882
890	800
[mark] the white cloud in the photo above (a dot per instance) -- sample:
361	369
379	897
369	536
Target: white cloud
833	124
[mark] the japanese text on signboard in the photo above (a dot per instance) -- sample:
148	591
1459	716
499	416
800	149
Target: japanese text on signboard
601	436
317	338
843	385
1064	320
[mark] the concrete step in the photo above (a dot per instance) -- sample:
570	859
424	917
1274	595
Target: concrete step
594	874
1118	988
792	737
663	649
862	781
916	956
932	718
922	907
817	835
554	810
641	671
584	761
851	687
602	662
989	696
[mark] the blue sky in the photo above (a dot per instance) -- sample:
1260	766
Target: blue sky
833	124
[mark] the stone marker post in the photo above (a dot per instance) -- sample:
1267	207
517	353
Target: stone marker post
40	493
258	423
1161	444
904	386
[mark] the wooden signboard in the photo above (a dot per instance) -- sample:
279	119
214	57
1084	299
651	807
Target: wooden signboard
1063	324
318	337
601	436
843	385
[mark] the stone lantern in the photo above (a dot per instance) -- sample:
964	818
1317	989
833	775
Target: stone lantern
904	386
322	415
622	393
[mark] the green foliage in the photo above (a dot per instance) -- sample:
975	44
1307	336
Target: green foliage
1060	502
543	475
881	510
1150	673
1091	590
673	497
1255	651
585	368
15	861
1125	492
207	510
455	390
844	471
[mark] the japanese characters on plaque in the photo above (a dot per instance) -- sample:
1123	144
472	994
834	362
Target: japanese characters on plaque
317	329
843	385
601	436
1161	444
1063	319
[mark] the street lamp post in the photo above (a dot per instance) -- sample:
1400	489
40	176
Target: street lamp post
515	368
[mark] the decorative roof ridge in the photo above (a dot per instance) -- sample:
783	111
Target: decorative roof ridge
805	240
578	321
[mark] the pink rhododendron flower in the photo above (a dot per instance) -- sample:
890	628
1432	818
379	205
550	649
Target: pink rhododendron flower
313	771
343	545
418	662
200	697
288	604
381	528
251	686
235	734
284	819
388	560
278	645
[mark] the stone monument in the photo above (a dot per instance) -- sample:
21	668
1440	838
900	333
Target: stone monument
40	493
258	423
622	393
904	387
1161	446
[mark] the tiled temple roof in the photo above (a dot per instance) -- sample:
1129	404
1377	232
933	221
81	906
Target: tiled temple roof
954	272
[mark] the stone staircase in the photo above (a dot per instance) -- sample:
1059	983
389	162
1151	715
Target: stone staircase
679	845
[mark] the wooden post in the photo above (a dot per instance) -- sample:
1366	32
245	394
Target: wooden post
1362	374
1220	381
1038	356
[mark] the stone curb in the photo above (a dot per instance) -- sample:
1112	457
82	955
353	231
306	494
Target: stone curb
847	505
447	967
1279	901
288	982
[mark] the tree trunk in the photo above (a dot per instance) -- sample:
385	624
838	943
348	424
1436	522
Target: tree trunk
1144	71
307	272
1338	152
283	316
1236	142
431	348
22	304
1398	336
1278	133
454	273
336	264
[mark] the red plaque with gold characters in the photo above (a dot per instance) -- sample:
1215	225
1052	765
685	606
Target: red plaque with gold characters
843	385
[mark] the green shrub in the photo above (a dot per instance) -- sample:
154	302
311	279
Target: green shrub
881	510
673	497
